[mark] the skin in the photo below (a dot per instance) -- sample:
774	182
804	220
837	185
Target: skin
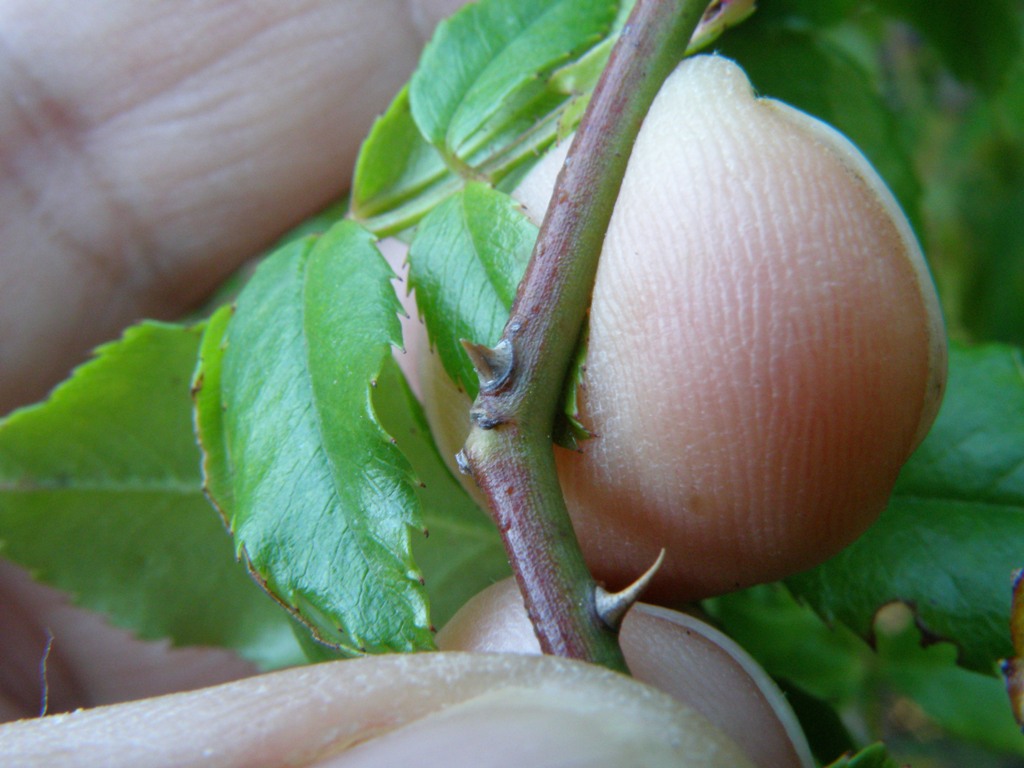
135	176
766	347
146	151
671	651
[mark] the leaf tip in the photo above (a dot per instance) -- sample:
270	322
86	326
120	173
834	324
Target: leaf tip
197	384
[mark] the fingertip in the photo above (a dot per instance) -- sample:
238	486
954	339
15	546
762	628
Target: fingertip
765	346
368	711
694	662
547	727
671	651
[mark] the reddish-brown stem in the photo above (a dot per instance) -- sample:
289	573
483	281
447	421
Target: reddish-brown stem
509	449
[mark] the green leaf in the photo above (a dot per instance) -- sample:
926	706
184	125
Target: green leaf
952	533
465	264
482	79
228	291
792	642
569	431
495	87
399	176
994	290
100	495
317	224
835	666
808	71
969	706
463	553
209	414
983	167
321	501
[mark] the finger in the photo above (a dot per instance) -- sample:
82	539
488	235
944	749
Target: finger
424	709
148	149
765	344
674	652
57	657
765	347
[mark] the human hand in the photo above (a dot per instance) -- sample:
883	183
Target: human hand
149	291
148	150
766	347
454	709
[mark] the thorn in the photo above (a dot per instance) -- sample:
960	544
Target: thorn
612	606
462	461
492	365
482	418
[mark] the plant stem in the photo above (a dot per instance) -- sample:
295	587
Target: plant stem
509	449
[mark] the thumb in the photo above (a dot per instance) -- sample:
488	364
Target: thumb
671	651
440	709
766	347
154	148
